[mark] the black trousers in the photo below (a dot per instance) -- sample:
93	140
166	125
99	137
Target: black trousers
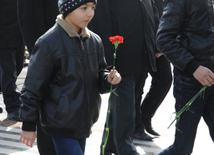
122	118
11	64
44	142
160	85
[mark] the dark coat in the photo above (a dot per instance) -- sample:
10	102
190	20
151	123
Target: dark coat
66	83
158	11
186	35
116	17
10	35
35	18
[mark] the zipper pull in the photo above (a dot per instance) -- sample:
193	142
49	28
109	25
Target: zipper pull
82	45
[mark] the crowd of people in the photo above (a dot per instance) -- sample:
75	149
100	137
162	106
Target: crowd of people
71	61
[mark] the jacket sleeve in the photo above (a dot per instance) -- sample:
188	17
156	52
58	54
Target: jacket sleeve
37	79
170	27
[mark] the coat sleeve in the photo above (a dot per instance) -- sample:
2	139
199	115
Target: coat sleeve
38	76
169	29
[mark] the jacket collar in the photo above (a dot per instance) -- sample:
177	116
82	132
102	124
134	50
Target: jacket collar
70	31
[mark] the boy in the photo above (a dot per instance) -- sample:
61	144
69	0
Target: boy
64	86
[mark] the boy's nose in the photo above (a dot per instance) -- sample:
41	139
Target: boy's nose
90	12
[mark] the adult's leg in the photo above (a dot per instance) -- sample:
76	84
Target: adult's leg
139	132
139	85
44	142
19	59
208	114
184	89
122	121
68	146
160	85
0	80
8	79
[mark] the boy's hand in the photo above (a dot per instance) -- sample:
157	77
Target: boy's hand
158	55
204	76
114	77
28	137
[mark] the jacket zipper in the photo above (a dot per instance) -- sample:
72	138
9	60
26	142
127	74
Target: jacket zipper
83	48
211	11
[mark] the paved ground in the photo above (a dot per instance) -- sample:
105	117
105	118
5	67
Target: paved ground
10	131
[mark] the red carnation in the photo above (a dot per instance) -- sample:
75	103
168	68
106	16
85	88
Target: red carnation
116	39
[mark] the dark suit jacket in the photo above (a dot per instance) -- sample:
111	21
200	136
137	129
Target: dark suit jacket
134	20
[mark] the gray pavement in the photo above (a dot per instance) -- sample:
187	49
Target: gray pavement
10	131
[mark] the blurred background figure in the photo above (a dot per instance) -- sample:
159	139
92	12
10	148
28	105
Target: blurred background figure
11	57
134	20
160	85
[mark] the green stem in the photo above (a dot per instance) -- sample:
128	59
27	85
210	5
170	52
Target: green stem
109	108
114	59
107	129
187	106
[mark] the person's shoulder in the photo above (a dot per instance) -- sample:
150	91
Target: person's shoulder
51	35
95	36
53	31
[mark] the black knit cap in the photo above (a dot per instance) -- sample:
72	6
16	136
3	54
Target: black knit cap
67	6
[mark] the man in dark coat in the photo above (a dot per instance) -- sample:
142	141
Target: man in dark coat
35	18
136	56
11	57
185	36
160	85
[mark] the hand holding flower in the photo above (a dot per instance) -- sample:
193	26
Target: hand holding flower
204	76
158	55
114	77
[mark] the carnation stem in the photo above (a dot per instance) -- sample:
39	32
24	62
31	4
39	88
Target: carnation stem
109	108
187	106
107	129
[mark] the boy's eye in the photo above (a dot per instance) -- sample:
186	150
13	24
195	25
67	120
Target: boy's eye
84	8
94	7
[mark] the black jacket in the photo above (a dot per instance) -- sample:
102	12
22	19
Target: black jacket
66	83
10	35
186	35
116	17
35	18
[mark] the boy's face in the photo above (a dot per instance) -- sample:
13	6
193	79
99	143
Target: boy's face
80	17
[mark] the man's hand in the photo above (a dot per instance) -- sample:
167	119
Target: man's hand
114	77
28	137
204	76
158	55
